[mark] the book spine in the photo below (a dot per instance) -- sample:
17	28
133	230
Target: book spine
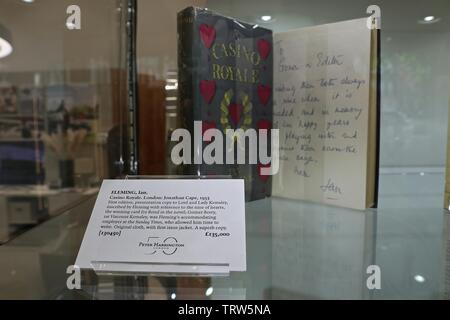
186	76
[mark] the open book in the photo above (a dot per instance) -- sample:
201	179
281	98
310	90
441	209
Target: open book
326	106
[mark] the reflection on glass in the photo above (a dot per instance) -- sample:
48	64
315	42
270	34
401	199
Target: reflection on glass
62	109
321	252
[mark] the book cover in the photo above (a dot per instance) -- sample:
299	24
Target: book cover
225	81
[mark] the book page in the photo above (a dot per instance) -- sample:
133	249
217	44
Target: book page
321	107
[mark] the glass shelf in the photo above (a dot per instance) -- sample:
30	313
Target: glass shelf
295	250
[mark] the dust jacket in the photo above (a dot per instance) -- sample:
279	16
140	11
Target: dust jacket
225	72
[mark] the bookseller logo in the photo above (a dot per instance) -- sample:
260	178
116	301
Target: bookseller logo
229	149
168	246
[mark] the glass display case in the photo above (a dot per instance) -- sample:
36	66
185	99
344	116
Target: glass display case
96	92
64	118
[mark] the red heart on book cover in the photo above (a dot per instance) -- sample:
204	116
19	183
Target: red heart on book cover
235	112
263	177
264	93
263	48
264	124
207	90
207	125
208	34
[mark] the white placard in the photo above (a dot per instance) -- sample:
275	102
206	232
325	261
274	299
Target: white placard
166	225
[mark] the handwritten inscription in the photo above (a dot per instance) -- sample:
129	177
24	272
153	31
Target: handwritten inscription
329	60
330	186
318	110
